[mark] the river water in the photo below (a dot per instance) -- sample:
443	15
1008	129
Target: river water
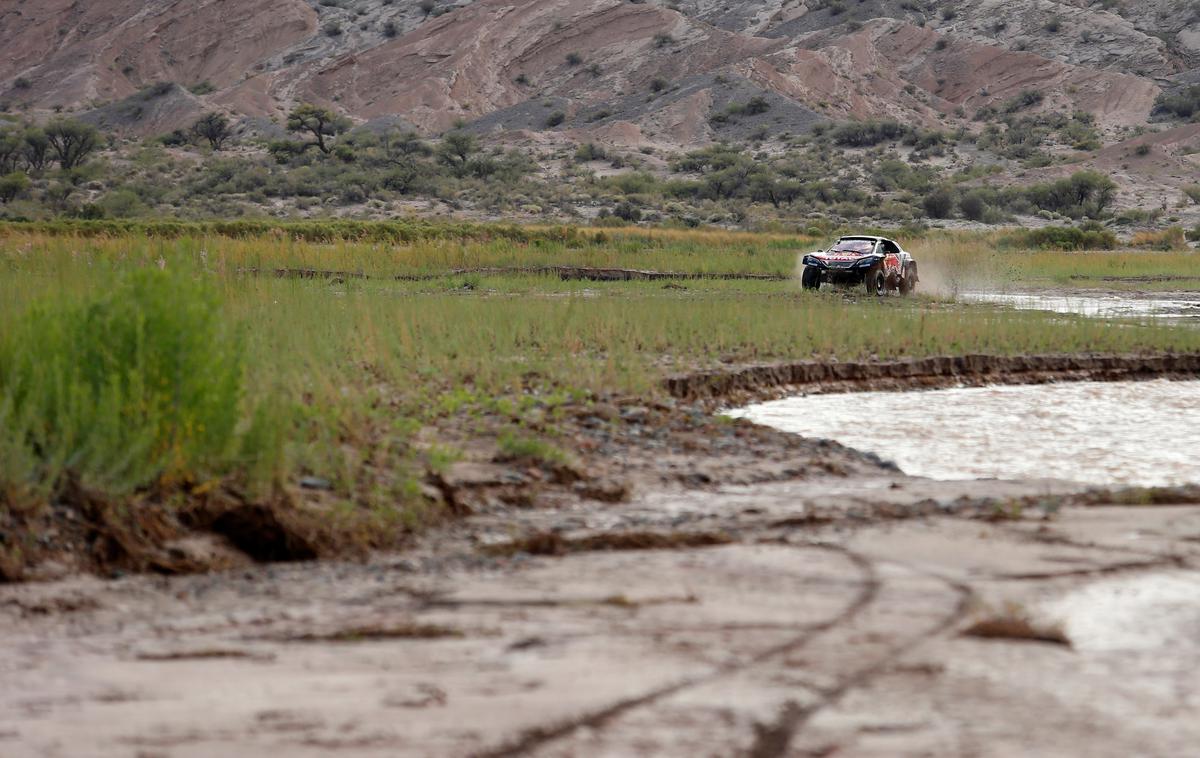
1098	433
1175	307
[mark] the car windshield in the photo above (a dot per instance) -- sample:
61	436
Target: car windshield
853	246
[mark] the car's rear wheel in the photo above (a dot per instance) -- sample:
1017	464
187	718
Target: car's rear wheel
908	284
811	278
876	282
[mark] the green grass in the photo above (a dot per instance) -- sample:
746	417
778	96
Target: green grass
948	260
138	383
357	381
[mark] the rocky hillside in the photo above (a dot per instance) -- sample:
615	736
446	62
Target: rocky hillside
1018	91
622	72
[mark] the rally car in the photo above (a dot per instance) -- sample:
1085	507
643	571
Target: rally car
877	263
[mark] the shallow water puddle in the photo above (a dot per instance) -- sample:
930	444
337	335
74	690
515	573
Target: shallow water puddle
1143	612
1183	307
1128	433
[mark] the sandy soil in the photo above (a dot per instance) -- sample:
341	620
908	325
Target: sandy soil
830	622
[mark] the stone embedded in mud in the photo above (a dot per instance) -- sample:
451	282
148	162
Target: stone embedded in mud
205	552
604	490
465	474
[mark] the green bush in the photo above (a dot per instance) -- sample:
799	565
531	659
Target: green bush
939	203
868	133
1064	238
1084	193
138	384
1183	104
974	205
1026	99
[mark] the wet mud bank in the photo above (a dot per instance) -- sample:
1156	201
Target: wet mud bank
745	384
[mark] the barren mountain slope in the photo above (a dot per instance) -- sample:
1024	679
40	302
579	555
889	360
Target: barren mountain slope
68	53
618	71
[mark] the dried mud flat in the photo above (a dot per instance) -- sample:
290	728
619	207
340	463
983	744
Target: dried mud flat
868	615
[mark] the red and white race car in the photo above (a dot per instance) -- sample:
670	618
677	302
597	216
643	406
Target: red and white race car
876	262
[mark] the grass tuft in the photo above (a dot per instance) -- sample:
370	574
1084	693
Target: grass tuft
139	383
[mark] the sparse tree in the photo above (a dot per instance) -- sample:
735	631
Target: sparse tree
12	185
213	127
71	141
10	150
321	123
35	150
456	150
403	148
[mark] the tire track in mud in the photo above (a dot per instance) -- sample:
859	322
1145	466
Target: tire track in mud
1150	559
774	740
537	737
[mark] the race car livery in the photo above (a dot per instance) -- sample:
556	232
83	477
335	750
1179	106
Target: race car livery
876	263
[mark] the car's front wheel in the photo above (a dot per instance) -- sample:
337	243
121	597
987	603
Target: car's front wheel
811	278
876	282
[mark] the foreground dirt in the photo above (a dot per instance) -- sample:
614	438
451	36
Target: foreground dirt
822	616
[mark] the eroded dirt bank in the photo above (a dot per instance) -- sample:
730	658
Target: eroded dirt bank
872	615
740	384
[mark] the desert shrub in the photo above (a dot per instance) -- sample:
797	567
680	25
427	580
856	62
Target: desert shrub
634	183
1193	192
1166	239
868	133
752	107
555	119
1135	216
138	383
974	205
12	186
1085	193
928	141
1182	104
890	175
939	203
1064	238
627	211
1026	99
122	203
590	151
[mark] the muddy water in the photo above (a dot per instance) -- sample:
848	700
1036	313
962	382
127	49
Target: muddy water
1125	433
1180	307
1143	612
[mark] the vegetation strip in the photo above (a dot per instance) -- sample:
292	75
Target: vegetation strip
566	273
927	373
